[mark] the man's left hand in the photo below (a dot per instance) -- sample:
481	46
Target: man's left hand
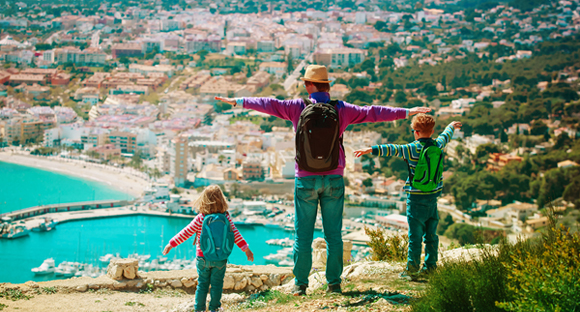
419	110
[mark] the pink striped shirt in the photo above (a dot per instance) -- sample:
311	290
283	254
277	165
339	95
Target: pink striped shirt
195	227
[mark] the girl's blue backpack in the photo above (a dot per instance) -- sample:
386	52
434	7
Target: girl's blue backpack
216	238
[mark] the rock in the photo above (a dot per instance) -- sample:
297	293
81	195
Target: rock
31	284
232	298
346	251
250	288
188	282
229	282
140	284
241	284
94	286
233	270
156	283
264	287
132	283
119	285
264	277
274	280
81	288
129	272
115	272
256	281
127	267
375	269
318	252
176	284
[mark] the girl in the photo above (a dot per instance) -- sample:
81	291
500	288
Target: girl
212	273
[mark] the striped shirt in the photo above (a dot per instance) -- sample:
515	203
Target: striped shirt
195	227
411	153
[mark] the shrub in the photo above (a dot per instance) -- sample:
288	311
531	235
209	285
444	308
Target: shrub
384	247
546	281
532	275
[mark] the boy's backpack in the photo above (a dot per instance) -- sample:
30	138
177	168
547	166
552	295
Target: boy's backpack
318	138
428	172
217	238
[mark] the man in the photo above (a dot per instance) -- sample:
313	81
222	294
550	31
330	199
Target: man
324	188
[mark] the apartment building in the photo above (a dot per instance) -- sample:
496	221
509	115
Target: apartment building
252	170
89	56
211	44
126	49
178	160
125	141
340	57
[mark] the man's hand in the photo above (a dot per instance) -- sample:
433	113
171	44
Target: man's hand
167	249
226	100
419	110
249	255
361	152
456	125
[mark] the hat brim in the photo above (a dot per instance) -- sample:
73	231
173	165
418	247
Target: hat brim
315	80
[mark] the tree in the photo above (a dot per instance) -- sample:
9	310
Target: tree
400	97
136	160
445	224
368	182
538	128
290	67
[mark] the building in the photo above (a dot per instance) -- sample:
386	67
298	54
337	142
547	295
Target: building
266	46
274	68
252	170
88	56
125	141
567	164
497	161
339	57
211	44
236	48
16	80
127	50
178	160
394	220
260	80
107	151
167	70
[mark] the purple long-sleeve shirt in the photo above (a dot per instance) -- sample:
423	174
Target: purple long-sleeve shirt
348	114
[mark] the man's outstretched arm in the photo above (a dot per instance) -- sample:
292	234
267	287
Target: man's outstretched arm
354	114
281	109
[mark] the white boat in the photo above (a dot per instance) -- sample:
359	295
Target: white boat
286	242
106	258
281	255
47	225
67	269
286	263
12	230
47	267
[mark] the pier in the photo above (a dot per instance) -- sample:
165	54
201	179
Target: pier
67	207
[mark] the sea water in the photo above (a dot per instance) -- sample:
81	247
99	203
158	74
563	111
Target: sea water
22	187
85	241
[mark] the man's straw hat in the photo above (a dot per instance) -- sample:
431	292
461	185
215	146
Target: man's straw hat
316	73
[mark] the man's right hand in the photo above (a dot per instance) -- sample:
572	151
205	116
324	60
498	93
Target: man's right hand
226	100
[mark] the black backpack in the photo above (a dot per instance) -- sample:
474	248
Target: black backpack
318	138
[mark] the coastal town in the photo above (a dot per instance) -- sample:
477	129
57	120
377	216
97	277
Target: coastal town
132	85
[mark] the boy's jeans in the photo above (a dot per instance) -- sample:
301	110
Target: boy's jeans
308	192
210	272
423	218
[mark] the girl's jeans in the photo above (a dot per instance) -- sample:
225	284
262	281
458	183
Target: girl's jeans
210	273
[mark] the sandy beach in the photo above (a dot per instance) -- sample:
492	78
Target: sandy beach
127	180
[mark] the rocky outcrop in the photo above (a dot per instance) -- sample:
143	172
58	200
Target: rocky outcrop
123	269
319	252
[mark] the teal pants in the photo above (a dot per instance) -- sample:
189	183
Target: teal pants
423	218
309	192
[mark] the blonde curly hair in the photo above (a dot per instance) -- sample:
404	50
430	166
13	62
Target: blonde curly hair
423	123
212	200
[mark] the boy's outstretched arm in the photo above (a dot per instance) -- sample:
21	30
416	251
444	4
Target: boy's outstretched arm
281	109
447	134
402	151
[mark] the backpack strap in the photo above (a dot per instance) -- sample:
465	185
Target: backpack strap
307	102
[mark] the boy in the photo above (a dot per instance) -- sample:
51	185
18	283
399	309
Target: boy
422	213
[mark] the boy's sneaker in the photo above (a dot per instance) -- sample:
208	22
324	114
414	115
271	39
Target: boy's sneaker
408	276
334	289
299	290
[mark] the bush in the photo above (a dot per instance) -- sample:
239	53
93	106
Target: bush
546	281
392	248
533	275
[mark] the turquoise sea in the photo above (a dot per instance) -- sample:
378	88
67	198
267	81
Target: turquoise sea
23	187
85	241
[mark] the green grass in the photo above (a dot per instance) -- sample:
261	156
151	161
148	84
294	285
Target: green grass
14	294
2	306
266	298
131	303
49	290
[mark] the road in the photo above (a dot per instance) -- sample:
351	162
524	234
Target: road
289	82
52	37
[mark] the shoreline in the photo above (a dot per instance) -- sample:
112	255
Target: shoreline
116	178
